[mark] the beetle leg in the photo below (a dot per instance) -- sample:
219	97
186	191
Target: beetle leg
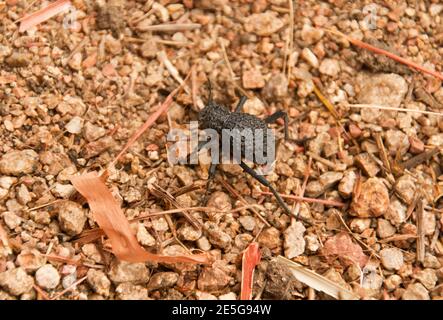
200	146
212	171
240	104
277	115
266	183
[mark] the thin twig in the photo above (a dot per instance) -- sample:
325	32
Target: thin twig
41	292
149	122
228	64
171	27
71	287
399	237
326	162
240	197
311	200
291	38
382	151
418	159
171	69
303	188
338	215
388	54
374	106
43	205
420	232
77	48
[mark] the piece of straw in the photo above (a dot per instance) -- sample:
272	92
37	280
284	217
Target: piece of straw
35	18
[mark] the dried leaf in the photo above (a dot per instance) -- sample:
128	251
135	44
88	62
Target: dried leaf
44	14
316	281
341	245
112	221
251	257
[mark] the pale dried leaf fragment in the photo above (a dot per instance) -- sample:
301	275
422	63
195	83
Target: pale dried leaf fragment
316	281
44	14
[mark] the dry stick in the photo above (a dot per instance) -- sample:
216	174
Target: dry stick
391	55
171	69
291	43
41	292
147	14
93	234
326	162
374	106
225	57
25	10
434	239
231	72
303	188
186	189
194	88
326	103
166	196
174	43
81	44
149	122
71	287
412	206
355	236
146	215
382	150
171	27
43	205
399	237
311	200
240	197
63	259
420	232
334	113
175	74
418	159
288	39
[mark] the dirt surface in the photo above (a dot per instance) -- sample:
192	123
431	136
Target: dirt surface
71	95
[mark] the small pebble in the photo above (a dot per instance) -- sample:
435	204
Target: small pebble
47	277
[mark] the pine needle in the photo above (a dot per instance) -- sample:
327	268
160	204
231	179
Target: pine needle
388	54
311	200
374	106
326	103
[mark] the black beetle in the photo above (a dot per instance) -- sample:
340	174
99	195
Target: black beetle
217	117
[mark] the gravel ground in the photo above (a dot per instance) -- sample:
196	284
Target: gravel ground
73	93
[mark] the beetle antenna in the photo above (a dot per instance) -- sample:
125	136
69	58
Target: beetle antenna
210	90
